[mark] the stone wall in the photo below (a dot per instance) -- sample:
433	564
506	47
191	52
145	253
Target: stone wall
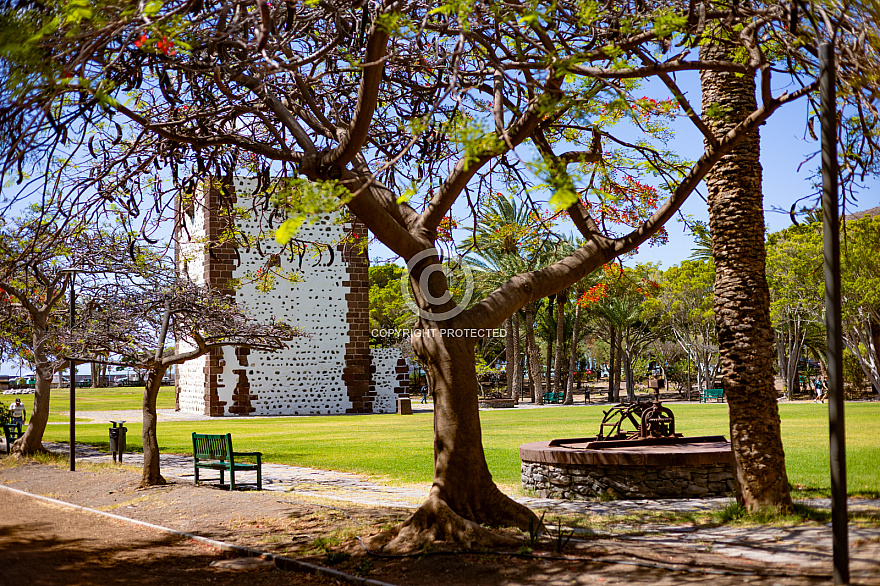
390	378
627	482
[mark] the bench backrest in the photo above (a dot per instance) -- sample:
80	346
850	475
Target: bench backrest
212	447
714	392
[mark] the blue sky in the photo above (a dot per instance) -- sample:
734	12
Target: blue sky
785	145
783	149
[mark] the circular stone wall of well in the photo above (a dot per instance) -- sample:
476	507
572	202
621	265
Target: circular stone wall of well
645	472
497	404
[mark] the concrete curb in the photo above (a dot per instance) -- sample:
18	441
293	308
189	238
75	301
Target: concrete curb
281	562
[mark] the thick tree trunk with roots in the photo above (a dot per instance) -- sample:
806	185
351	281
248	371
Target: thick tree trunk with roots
742	298
151	474
463	496
31	442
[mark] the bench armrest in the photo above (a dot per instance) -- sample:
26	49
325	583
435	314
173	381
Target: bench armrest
247	453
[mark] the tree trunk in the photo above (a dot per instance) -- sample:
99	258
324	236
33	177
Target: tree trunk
151	475
612	358
788	349
572	356
95	375
614	373
630	380
559	376
31	442
548	381
742	299
534	360
875	337
463	495
517	371
509	356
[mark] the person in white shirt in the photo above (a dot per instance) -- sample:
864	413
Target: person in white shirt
18	413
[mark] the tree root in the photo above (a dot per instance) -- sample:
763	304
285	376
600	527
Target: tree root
148	482
436	522
19	450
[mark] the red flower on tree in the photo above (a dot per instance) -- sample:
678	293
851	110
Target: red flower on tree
594	295
166	46
444	230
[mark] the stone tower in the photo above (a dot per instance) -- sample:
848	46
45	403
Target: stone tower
333	370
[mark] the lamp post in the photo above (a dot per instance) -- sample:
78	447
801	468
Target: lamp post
833	318
72	377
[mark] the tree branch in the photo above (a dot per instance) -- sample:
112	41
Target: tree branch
368	93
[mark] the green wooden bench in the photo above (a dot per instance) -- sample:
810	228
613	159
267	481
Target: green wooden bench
707	395
12	433
553	397
214	452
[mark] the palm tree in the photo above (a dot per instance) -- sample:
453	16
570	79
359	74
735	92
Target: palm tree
742	298
503	245
702	249
624	314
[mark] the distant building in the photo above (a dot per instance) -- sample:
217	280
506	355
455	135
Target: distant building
333	371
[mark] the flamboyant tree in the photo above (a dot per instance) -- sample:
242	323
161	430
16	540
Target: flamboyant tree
404	111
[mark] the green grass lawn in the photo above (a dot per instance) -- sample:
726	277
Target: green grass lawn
112	399
399	449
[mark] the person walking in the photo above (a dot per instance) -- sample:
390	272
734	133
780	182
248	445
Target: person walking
18	413
424	394
821	391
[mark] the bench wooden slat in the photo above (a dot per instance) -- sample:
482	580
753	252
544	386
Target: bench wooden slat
218	450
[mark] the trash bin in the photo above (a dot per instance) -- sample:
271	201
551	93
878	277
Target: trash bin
117	439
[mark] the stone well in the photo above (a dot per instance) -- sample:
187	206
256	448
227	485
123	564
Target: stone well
565	469
497	403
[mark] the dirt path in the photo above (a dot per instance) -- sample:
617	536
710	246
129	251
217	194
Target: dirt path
54	545
47	544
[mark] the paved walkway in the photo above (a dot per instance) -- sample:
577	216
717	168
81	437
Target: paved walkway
808	545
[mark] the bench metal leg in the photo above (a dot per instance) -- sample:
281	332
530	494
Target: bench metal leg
259	478
197	475
231	479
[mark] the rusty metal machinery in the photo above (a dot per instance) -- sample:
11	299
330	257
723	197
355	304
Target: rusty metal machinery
649	420
635	424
